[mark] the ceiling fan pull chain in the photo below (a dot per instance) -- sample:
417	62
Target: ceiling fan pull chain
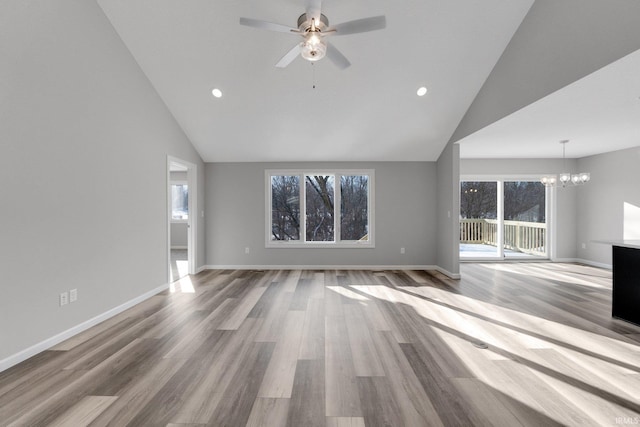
313	73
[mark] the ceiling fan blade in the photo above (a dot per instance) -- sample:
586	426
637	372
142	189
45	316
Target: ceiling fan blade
359	26
289	57
314	9
264	25
337	57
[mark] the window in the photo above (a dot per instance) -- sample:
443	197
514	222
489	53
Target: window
179	202
319	209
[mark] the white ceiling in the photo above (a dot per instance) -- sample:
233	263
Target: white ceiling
369	111
597	114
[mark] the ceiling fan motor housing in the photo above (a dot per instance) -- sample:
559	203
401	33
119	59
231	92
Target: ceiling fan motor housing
304	24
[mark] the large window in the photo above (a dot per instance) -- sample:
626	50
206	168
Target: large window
320	208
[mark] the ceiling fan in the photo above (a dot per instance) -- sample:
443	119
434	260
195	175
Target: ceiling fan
313	27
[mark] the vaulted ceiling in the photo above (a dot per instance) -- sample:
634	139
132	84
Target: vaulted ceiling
370	111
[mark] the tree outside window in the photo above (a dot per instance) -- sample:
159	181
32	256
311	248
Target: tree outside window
311	207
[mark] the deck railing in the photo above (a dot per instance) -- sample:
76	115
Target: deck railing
520	236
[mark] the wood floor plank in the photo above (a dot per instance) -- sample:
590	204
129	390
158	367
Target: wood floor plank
84	412
102	377
542	397
132	400
365	356
279	376
239	397
273	321
345	422
378	404
313	334
307	404
242	311
450	406
26	397
413	403
267	412
342	397
346	348
487	407
219	366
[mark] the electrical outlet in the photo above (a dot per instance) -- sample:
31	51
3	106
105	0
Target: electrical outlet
64	298
73	295
246	250
584	246
401	250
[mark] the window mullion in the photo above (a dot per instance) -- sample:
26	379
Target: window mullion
303	208
336	207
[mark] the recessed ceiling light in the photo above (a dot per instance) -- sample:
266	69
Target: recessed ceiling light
422	91
217	93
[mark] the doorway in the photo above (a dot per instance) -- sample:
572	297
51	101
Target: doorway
502	219
181	195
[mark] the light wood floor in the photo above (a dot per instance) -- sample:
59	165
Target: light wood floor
346	348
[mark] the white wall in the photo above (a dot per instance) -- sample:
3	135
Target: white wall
601	214
405	211
565	198
84	140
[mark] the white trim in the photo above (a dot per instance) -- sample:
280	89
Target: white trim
333	267
299	244
584	261
319	267
192	221
179	247
451	275
23	355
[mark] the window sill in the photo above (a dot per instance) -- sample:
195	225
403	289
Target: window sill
318	245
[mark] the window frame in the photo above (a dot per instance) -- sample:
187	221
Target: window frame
337	243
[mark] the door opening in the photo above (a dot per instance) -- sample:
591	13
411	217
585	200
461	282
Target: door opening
503	219
181	218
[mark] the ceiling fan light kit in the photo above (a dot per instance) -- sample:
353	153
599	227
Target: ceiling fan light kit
313	26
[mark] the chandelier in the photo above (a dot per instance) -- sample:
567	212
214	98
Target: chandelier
565	177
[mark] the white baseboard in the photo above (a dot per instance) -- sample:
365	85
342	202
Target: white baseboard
320	267
23	355
585	261
447	273
179	247
331	267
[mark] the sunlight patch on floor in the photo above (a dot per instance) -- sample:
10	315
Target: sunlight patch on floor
549	275
184	285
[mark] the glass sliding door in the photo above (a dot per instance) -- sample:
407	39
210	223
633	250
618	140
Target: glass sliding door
479	219
503	219
525	228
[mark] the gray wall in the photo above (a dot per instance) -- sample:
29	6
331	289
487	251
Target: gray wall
615	180
447	219
558	42
405	211
179	233
84	140
565	198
